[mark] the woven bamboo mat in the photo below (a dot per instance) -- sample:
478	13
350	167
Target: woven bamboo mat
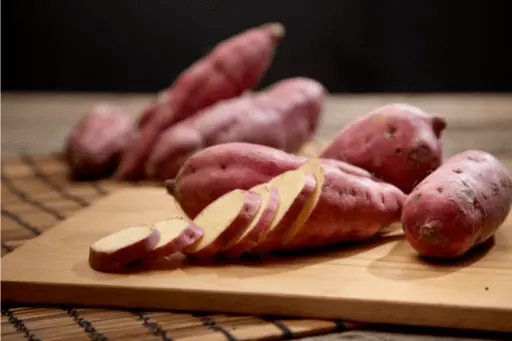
36	194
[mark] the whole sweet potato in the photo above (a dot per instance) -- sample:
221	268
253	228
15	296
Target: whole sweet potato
94	146
231	68
216	170
285	116
398	143
458	206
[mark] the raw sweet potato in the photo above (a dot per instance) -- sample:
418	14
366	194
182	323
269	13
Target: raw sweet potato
111	253
231	68
295	187
260	224
458	206
94	147
350	208
223	221
398	143
216	170
176	234
314	168
285	116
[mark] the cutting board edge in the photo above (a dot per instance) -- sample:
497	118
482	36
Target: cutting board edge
387	312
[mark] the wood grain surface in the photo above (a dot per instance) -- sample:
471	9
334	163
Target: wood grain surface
380	281
38	123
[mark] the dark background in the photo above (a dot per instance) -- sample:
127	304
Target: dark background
350	46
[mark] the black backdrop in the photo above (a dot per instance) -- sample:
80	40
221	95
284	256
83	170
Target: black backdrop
350	46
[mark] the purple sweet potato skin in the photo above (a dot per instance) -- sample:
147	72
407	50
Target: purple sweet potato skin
398	143
460	205
216	170
283	116
97	141
350	208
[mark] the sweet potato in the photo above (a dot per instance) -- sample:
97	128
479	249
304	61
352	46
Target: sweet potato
260	224
295	188
216	170
233	66
314	168
350	208
398	143
223	221
95	144
284	116
458	206
111	253
176	234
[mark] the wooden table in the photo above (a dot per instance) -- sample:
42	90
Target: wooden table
39	123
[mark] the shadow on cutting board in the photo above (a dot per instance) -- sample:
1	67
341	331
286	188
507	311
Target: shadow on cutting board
403	263
248	266
400	263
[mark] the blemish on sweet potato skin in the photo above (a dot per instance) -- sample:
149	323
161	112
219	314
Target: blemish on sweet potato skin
458	206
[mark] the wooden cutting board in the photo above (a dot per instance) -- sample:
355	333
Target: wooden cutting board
380	281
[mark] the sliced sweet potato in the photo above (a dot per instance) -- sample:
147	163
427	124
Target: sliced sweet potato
260	224
315	168
175	234
111	253
294	188
223	221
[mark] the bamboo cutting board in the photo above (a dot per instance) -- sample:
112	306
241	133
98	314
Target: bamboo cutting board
380	281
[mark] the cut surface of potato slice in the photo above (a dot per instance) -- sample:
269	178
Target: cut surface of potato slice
224	220
261	222
294	188
132	243
315	168
176	234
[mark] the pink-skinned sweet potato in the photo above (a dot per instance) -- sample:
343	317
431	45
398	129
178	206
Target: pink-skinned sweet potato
350	208
284	116
295	187
458	206
116	250
260	224
176	234
234	66
398	143
95	144
216	170
223	222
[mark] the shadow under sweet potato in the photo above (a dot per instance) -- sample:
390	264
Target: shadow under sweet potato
402	262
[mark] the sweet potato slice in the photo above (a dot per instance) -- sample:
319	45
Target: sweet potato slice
175	235
111	253
315	168
223	221
295	188
260	224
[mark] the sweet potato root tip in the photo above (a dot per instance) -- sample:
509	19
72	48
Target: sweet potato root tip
277	29
223	220
438	125
170	186
112	252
